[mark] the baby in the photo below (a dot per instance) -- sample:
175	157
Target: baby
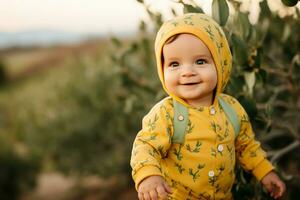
194	64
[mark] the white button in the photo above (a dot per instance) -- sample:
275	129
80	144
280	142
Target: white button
211	173
180	117
220	148
212	111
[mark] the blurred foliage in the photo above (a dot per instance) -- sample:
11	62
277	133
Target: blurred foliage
3	75
17	173
82	119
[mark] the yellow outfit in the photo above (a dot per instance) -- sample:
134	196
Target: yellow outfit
203	166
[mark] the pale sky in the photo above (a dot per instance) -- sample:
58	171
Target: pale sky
83	16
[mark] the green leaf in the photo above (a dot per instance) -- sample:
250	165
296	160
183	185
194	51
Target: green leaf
116	42
142	26
257	60
235	84
269	110
289	3
250	106
286	32
261	76
250	81
174	12
239	50
243	24
220	11
265	10
140	1
191	9
298	13
158	19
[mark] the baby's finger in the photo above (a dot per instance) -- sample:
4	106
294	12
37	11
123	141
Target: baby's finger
167	188
161	192
147	196
141	196
269	188
153	195
281	187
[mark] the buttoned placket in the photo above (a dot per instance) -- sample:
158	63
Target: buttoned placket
211	173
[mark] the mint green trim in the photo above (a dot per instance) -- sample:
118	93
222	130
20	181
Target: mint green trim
231	114
179	126
180	112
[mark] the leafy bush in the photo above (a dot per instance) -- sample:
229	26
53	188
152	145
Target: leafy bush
17	173
265	79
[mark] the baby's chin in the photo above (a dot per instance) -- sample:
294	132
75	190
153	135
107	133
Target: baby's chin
200	98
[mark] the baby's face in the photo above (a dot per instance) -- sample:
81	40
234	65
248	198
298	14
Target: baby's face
189	70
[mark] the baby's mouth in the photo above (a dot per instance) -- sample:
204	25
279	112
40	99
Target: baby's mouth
189	83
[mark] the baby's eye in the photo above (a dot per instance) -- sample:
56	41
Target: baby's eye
174	64
200	62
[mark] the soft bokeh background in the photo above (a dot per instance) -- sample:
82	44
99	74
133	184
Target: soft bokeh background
77	77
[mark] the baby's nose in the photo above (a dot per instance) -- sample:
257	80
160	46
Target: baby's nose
188	71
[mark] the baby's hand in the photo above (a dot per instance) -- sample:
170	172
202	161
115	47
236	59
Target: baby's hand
273	184
153	188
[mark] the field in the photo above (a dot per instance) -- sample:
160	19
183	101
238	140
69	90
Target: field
35	78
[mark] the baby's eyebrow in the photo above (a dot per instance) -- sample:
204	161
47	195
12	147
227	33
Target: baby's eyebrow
172	58
201	55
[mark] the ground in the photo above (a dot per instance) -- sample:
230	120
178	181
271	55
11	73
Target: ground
55	186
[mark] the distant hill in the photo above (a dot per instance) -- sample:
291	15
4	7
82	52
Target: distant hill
39	38
49	37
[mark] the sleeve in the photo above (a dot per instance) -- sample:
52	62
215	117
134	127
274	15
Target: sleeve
151	144
248	150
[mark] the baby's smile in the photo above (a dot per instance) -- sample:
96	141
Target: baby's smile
189	83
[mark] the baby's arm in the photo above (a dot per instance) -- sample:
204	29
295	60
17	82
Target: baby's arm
153	187
249	152
253	158
151	145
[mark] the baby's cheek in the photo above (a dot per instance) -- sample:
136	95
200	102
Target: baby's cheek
170	82
168	85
